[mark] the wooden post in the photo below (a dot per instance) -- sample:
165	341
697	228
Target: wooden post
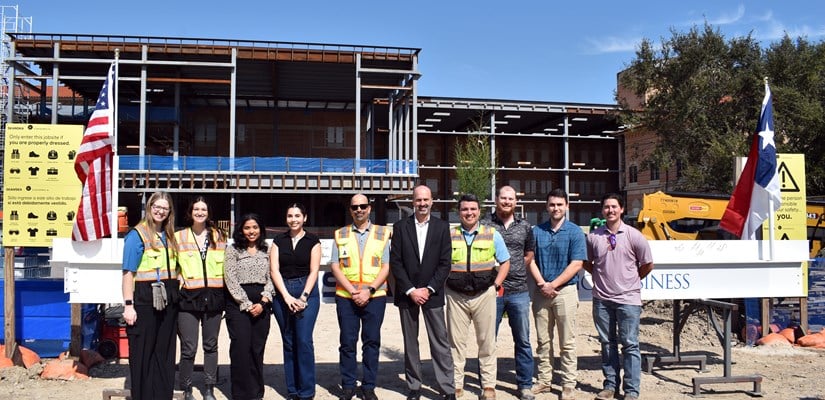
766	316
12	352
76	333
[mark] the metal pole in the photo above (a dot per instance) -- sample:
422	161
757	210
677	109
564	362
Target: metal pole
357	111
233	88
55	83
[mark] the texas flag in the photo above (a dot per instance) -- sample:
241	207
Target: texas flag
749	205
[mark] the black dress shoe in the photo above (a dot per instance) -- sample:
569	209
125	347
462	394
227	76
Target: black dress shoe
347	394
368	394
414	395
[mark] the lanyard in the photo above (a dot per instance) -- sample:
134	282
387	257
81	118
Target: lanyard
203	251
157	270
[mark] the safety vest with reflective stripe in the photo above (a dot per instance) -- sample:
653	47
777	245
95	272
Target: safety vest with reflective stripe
158	262
482	254
361	269
196	274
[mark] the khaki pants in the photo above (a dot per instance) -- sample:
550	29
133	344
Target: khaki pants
480	311
551	314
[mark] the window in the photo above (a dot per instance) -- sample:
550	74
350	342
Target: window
335	136
654	173
633	174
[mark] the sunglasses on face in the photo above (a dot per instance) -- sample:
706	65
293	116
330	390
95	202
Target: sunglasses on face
612	240
355	207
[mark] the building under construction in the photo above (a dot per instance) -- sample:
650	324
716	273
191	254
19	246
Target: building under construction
257	125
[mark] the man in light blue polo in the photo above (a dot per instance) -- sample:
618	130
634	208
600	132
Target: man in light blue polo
560	252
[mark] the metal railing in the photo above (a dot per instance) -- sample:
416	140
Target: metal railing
269	164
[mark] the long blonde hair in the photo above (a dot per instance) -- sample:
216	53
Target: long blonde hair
168	226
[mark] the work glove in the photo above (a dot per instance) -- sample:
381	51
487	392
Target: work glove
159	296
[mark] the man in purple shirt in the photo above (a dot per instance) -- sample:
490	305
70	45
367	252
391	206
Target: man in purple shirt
619	258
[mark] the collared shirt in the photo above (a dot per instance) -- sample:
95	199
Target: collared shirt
362	237
616	268
502	254
421	229
518	238
556	249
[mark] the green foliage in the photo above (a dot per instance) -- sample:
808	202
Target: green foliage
704	94
473	167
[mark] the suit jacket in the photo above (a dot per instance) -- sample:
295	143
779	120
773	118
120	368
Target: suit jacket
410	272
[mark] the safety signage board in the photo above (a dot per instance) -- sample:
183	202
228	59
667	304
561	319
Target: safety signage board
41	190
790	221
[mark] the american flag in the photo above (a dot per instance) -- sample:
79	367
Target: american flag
94	167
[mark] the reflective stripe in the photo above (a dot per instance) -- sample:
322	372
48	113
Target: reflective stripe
361	268
158	261
192	265
482	255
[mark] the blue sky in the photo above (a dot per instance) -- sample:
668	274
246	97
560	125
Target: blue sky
515	50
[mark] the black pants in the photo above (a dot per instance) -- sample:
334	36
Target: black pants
188	324
152	350
247	337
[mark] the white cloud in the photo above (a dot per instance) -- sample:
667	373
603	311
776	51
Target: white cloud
776	30
727	19
612	44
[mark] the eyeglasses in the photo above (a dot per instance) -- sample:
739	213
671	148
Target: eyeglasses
160	208
355	207
612	240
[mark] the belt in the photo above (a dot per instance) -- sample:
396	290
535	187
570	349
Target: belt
472	292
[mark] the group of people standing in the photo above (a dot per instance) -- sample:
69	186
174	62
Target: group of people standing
182	282
461	279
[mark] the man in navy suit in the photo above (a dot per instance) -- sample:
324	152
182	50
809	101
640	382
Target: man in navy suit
420	255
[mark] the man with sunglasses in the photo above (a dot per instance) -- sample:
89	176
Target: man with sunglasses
559	255
619	257
360	264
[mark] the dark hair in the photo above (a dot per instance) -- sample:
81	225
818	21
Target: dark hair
468	197
614	196
558	192
299	206
211	228
240	240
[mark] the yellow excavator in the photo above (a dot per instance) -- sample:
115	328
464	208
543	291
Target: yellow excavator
683	216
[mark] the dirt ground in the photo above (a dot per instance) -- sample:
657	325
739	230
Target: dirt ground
787	372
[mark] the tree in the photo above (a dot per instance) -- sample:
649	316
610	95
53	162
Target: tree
703	95
797	73
473	166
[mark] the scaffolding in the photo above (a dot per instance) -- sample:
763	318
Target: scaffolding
11	22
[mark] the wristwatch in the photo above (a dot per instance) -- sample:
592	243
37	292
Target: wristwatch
371	289
128	302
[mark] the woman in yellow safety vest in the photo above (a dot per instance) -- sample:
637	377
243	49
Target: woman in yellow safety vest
201	248
150	293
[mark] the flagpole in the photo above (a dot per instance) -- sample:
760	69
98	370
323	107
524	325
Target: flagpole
771	215
114	221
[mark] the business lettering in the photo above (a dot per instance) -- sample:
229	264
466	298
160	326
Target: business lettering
666	281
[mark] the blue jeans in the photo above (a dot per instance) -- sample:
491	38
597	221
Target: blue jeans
296	334
368	320
619	323
517	306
